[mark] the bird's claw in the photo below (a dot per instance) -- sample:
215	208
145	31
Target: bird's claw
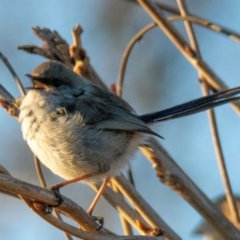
46	208
57	195
99	221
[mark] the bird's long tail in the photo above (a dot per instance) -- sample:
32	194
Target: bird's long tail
193	106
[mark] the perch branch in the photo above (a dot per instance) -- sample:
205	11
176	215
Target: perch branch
68	207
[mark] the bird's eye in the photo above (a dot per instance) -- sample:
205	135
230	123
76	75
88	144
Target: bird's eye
56	82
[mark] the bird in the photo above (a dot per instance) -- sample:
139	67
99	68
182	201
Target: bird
206	230
84	133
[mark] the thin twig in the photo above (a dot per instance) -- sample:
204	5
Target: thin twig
196	19
163	6
212	121
11	70
117	201
126	226
39	172
4	94
142	207
126	54
134	218
207	24
221	162
44	184
193	19
212	79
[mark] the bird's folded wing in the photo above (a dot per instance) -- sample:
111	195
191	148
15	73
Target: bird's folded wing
123	120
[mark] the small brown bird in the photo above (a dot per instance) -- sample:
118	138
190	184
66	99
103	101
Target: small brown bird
84	133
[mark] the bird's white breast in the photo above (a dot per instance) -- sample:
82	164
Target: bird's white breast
69	147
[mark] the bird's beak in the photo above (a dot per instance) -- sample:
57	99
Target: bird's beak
38	82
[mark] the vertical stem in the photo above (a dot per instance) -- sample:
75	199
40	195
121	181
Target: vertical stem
213	80
44	184
212	120
127	229
221	162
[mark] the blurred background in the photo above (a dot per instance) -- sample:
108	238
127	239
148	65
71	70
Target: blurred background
157	76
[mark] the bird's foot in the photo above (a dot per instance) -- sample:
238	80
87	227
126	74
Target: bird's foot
99	221
46	208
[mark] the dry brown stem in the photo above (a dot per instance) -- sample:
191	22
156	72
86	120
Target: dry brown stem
211	115
211	78
56	48
172	175
31	193
133	217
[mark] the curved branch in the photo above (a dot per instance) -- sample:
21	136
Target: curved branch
212	26
197	20
29	193
35	193
126	54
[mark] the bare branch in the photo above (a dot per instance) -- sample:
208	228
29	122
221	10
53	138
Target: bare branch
143	208
207	24
11	70
133	217
212	79
4	94
212	121
126	226
164	7
56	48
221	162
126	54
69	208
172	175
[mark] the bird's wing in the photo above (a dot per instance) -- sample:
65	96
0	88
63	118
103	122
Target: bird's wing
107	111
122	120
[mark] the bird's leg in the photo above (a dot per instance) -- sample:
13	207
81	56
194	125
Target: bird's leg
98	219
74	180
55	188
99	194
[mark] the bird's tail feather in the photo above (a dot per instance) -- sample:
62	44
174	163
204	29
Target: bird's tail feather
193	106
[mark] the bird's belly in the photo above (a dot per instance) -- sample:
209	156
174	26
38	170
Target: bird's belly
75	152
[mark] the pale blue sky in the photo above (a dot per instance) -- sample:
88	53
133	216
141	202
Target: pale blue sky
157	77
